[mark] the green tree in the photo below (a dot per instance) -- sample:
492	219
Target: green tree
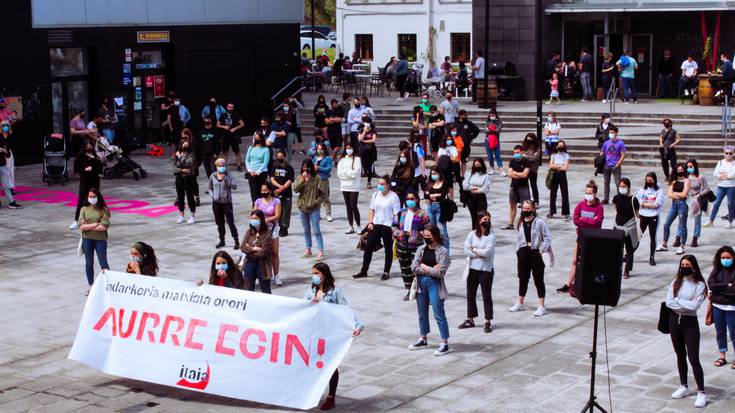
325	12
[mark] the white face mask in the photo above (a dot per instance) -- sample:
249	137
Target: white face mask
349	151
589	197
365	124
92	201
623	190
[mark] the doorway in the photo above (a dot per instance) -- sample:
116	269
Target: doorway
641	49
151	68
69	68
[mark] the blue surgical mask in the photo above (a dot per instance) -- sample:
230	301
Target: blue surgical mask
434	177
726	262
316	279
6	128
690	170
454	133
518	155
134	258
449	142
221	169
381	188
220	267
411	203
255	223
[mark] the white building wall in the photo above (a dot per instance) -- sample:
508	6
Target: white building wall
385	19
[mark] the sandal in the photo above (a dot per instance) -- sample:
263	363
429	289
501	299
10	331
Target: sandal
721	362
732	366
466	324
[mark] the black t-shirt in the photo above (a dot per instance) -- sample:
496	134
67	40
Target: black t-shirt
320	112
607	65
527	230
669	137
624	205
429	257
518	165
208	141
230	120
587	63
173	110
665	67
438	132
334	130
281	142
283	172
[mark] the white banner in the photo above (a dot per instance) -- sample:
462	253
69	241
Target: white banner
233	343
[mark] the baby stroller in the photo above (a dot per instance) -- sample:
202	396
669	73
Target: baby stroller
117	162
54	159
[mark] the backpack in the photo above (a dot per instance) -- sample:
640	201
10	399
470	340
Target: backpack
624	61
492	137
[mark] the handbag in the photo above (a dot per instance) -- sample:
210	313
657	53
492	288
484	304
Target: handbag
466	271
80	250
709	318
663	318
549	178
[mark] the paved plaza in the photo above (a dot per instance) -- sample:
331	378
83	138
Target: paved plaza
526	364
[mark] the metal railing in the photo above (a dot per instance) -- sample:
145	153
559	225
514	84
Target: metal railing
279	94
726	125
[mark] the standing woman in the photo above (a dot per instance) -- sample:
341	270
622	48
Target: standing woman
722	287
221	184
651	198
257	159
401	179
408	233
257	245
430	265
322	289
686	293
552	132
476	185
479	246
224	272
348	172
698	187
367	109
6	140
94	221
368	152
559	164
309	203
320	114
532	151
89	167
436	191
678	192
142	260
626	212
272	209
533	240
184	164
608	76
324	164
492	141
725	174
384	207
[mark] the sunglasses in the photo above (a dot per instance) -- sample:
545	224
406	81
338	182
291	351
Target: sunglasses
728	153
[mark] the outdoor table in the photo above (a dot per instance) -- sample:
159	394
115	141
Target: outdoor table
362	81
705	88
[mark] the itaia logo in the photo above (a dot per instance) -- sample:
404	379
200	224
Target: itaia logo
193	378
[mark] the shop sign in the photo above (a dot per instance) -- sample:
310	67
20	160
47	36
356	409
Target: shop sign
158	36
159	86
128	55
149	81
144	66
127	74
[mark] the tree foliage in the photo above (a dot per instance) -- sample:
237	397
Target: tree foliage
325	12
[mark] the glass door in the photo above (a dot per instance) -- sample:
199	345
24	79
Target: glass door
641	49
69	85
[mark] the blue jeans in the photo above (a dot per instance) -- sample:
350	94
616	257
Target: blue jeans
435	213
586	85
724	320
493	153
629	88
697	227
5	181
310	222
721	193
89	247
252	273
680	209
429	293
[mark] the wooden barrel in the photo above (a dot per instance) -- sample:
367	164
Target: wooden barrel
492	86
705	92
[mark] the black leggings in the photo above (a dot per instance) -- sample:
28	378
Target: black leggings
208	162
651	223
379	232
405	258
485	280
353	212
333	384
530	261
685	338
255	182
532	178
629	250
185	187
475	204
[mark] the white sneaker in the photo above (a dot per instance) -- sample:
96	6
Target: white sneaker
604	100
399	99
277	279
329	218
680	251
181	220
516	307
540	311
442	350
680	393
708	224
491	171
686	92
503	174
662	248
191	220
701	399
74	225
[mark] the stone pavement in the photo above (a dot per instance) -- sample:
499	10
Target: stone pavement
525	364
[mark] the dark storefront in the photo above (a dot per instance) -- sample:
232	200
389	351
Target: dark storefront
60	68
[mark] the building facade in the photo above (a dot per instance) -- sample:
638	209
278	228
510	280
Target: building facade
418	30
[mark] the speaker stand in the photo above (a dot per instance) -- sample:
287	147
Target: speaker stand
592	402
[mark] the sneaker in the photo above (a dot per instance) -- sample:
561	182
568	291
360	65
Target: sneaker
487	328
708	224
563	289
191	220
680	393
277	279
516	307
442	350
283	232
550	215
385	276
604	100
350	231
503	174
420	344
680	250
328	404
662	247
566	218
14	205
466	324
359	275
329	218
626	102
181	220
677	242
220	245
540	311
239	168
701	400
491	171
236	246
508	227
74	225
652	261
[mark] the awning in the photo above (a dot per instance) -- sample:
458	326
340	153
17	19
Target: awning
618	6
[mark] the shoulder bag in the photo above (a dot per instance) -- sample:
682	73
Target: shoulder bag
663	318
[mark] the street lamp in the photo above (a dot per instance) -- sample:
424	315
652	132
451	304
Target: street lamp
485	98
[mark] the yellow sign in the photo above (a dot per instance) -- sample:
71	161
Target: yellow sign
161	36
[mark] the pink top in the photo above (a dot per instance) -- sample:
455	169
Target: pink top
588	216
554	84
268	209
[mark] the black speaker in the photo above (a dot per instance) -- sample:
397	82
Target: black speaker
598	276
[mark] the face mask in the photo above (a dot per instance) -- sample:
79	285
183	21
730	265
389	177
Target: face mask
454	133
517	155
492	117
92	201
424	100
686	271
690	170
613	136
6	128
411	203
184	148
726	262
177	102
286	108
255	223
88	150
476	168
485	224
349	151
679	173
648	184
365	124
381	188
623	190
221	169
265	194
434	177
589	197
549	118
221	267
449	142
561	148
526	214
135	258
402	160
316	279
428	241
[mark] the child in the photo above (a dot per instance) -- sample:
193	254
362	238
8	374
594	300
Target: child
554	82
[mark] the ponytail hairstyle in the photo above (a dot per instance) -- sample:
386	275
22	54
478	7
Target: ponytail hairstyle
149	264
593	185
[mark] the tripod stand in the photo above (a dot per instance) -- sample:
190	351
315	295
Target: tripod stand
592	402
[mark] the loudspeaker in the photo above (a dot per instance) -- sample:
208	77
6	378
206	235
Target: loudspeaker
598	276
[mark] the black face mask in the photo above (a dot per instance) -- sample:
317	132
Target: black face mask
648	185
485	224
679	173
686	271
526	214
428	241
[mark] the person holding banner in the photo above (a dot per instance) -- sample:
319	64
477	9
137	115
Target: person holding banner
257	246
322	289
94	221
224	272
142	260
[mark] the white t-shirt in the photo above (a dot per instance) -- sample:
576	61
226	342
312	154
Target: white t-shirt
727	168
450	110
385	207
688	67
451	151
559	158
480	64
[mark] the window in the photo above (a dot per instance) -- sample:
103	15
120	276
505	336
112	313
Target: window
68	61
407	47
364	46
460	43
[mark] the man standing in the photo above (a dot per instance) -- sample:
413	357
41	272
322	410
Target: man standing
468	131
518	170
478	73
209	145
665	68
354	119
585	67
230	123
449	108
667	143
602	133
627	67
614	152
212	110
282	177
401	72
688	79
335	117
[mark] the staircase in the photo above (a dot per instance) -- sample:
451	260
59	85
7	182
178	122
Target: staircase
700	134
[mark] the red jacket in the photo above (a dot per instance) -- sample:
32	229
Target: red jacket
589	216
